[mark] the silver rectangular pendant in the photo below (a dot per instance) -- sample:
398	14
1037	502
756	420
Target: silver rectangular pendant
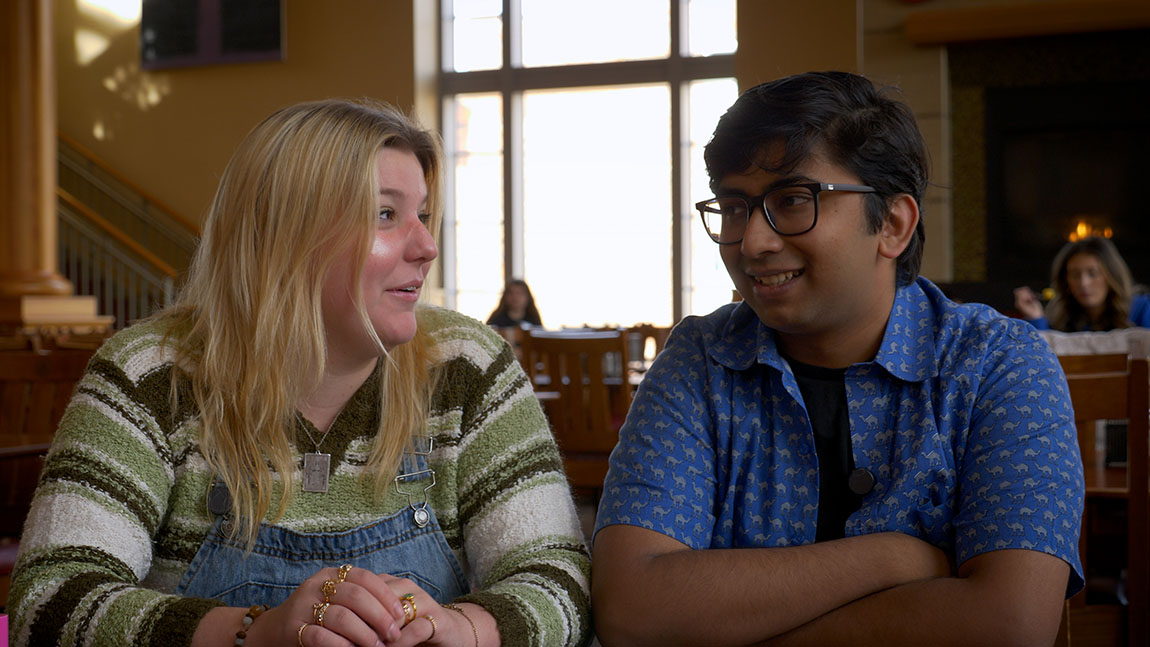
316	470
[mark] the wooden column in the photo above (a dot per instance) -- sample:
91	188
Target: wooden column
35	300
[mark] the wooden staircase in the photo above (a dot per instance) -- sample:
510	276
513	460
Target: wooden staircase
116	242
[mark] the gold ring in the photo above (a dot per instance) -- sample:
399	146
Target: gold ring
328	589
434	627
299	633
406	600
318	609
343	571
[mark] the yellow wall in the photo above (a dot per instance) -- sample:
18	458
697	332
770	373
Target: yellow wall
172	131
781	37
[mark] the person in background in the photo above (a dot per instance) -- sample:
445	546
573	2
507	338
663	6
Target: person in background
1093	290
846	456
516	307
298	452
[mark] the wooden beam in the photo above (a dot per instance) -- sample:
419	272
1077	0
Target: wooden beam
941	26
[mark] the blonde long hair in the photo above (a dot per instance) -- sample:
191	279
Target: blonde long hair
248	327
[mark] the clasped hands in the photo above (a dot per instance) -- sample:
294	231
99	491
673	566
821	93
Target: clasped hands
351	606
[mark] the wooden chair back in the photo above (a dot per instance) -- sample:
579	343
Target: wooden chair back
514	336
645	331
35	387
1099	363
19	474
1122	394
588	371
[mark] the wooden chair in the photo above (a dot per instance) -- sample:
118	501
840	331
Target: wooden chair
19	473
1109	395
35	387
1100	363
514	336
588	372
646	331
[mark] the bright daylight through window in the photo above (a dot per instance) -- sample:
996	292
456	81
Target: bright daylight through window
574	133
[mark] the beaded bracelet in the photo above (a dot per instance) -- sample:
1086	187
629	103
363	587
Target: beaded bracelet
456	607
249	617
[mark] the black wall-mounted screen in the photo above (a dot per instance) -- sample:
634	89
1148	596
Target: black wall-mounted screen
184	33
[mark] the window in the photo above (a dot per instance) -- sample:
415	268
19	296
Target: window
574	134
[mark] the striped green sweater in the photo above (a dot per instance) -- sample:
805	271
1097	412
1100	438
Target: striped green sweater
120	510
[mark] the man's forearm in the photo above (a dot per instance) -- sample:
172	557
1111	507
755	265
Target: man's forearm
1010	598
740	596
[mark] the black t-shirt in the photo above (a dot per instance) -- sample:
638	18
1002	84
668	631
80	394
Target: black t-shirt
824	392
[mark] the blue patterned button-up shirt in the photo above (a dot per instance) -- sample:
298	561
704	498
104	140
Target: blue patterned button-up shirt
963	417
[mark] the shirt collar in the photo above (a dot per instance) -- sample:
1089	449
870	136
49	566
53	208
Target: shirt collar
743	339
907	350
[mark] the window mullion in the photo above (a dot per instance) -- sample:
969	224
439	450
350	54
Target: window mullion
512	95
448	258
513	252
680	141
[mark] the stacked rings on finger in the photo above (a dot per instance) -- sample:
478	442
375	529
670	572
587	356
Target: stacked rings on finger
328	587
434	627
409	609
318	609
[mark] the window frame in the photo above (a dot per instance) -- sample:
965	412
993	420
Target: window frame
512	80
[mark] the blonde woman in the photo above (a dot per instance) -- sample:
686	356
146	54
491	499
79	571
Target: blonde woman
297	452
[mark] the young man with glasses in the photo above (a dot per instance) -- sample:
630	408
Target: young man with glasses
846	456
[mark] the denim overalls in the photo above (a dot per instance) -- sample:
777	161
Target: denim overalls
282	559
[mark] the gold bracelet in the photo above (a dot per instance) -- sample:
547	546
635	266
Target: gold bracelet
455	607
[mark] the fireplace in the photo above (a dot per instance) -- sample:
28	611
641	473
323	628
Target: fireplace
1051	138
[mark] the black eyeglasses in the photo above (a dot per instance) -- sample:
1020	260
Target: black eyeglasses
791	210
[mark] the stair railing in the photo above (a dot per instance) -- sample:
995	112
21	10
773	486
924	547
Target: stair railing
128	281
124	205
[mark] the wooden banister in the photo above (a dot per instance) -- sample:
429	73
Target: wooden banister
115	233
104	167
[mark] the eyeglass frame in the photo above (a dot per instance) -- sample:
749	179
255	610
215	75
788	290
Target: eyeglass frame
814	187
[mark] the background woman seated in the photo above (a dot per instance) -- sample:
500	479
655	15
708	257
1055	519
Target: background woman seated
516	307
1092	291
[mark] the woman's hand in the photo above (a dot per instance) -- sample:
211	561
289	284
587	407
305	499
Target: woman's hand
429	623
1027	304
361	609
